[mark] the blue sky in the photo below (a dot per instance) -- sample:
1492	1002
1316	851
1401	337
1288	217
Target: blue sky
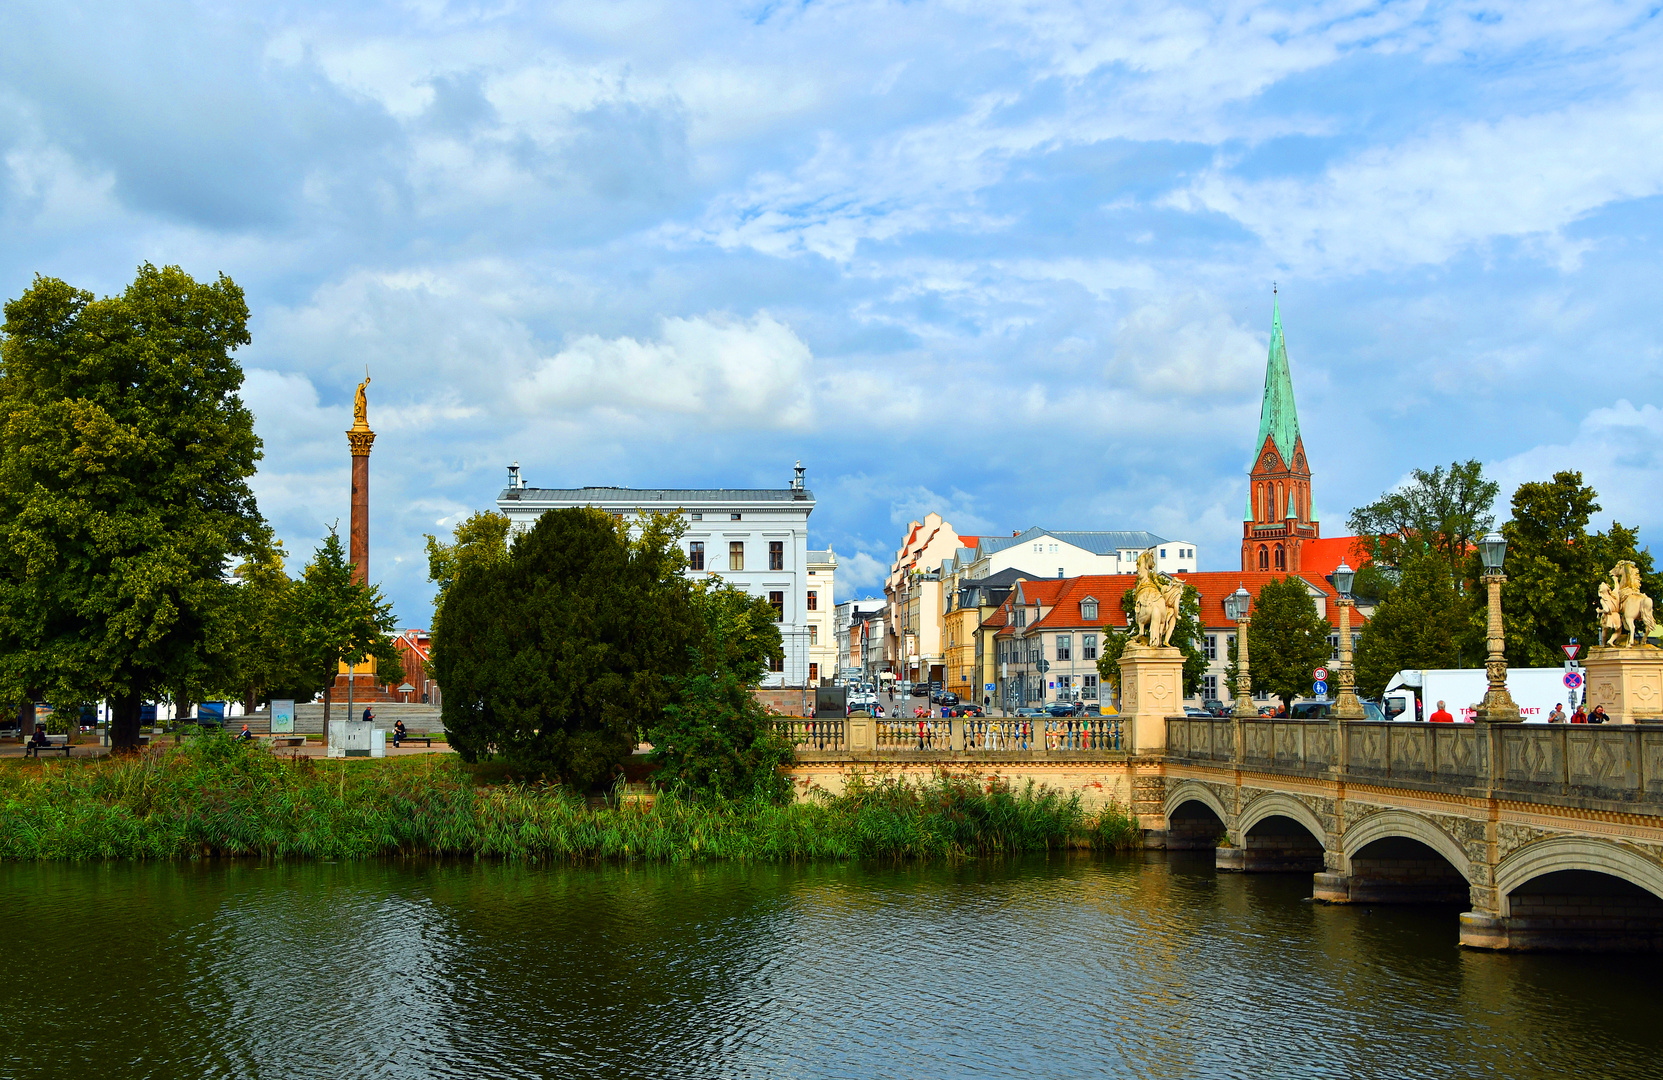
1010	262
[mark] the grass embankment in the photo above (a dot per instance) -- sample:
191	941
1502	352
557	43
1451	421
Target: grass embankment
216	797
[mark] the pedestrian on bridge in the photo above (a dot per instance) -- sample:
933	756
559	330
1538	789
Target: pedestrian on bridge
1557	716
1442	715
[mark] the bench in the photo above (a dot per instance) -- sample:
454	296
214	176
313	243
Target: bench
425	740
288	740
33	750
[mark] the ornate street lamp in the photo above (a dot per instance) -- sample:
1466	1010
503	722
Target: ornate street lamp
1498	706
1346	705
1238	607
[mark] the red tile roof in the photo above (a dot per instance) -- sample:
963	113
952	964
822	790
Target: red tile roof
1319	558
1107	589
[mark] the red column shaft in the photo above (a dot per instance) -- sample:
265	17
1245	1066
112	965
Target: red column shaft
359	540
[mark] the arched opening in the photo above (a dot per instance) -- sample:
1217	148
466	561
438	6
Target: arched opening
1584	911
1264	557
1193	826
1281	501
1400	870
1264	502
1281	558
1278	844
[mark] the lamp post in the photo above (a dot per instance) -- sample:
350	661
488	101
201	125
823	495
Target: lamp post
1498	706
1346	705
1238	606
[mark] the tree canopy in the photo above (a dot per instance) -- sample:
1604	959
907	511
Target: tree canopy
125	454
336	620
1423	622
480	540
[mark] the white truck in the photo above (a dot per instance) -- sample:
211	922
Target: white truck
1414	694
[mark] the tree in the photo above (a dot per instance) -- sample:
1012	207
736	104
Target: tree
1438	512
1423	623
336	620
267	659
561	657
1287	640
125	454
480	540
1554	567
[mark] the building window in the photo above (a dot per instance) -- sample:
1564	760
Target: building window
1209	687
1264	558
1088	646
1036	650
698	516
736	555
1209	646
776	600
813	600
695	555
733	517
813	633
1088	610
1088	688
776	663
813	674
1163	553
1333	646
1281	558
776	555
1065	647
1021	617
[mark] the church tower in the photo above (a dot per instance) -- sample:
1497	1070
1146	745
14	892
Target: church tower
1278	519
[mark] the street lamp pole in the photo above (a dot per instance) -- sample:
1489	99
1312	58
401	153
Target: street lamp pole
1498	706
1346	705
1238	606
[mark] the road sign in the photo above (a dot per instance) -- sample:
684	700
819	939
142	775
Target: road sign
1320	674
1571	651
1044	666
1572	680
1319	688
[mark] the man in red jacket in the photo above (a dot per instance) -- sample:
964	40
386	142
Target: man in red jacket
1442	715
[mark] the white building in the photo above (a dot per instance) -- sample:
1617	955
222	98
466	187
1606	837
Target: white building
1049	553
756	538
822	624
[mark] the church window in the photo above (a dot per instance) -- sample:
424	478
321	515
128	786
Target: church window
1264	558
1281	558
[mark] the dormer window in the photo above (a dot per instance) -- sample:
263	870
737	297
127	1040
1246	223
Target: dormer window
1088	609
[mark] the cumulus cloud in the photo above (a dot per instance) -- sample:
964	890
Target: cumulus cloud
1619	451
732	372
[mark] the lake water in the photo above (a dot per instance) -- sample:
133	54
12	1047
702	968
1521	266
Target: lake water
1148	966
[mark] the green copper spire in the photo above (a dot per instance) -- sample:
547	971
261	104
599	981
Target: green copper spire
1277	417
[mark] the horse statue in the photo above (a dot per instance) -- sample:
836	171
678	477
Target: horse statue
1623	609
1156	599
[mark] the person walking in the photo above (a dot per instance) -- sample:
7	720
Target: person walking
1598	715
1557	716
1442	715
1579	717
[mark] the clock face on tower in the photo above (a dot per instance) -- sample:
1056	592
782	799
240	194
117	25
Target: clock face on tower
1299	461
1269	461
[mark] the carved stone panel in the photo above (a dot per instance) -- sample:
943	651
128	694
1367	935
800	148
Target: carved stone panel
1367	746
1411	750
1602	762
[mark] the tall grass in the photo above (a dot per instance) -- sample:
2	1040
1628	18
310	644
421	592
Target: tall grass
216	797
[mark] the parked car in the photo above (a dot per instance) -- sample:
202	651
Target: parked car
966	710
1191	710
945	697
1324	710
1065	708
920	689
1028	710
1213	707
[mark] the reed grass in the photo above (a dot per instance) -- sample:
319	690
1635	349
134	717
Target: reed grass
215	797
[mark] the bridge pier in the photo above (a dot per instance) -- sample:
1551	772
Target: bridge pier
1570	911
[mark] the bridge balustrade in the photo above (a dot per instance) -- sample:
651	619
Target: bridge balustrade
811	733
1610	763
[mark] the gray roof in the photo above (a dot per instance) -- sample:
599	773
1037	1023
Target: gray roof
1098	543
825	556
654	495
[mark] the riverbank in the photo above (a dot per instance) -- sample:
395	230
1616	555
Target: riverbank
218	798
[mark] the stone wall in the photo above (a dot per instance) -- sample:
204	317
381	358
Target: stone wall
1098	781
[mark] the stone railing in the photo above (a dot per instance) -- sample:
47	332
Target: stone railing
823	733
1614	763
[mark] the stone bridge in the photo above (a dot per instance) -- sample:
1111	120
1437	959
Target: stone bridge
1552	836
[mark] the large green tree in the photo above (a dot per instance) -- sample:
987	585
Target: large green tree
480	540
125	454
1435	513
1554	567
336	620
560	658
1287	640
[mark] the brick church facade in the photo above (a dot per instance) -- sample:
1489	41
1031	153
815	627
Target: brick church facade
1278	528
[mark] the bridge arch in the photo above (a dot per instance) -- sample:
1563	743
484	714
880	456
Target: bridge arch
1393	824
1559	853
1275	804
1194	791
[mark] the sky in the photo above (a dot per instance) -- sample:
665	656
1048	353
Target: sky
1011	262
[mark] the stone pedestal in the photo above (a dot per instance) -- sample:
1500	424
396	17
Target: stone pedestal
1151	689
863	736
1627	681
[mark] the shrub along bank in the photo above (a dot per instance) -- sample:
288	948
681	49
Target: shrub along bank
217	797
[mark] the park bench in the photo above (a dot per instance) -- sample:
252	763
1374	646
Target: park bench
32	750
288	740
425	740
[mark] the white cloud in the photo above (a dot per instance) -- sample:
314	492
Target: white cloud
1618	450
1186	345
728	371
1428	199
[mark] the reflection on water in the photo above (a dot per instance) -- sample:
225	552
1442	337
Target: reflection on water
1068	966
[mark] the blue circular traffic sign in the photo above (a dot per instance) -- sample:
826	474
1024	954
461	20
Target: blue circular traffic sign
1572	680
1319	688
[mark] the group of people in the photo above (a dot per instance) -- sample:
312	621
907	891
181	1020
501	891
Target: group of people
1580	716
